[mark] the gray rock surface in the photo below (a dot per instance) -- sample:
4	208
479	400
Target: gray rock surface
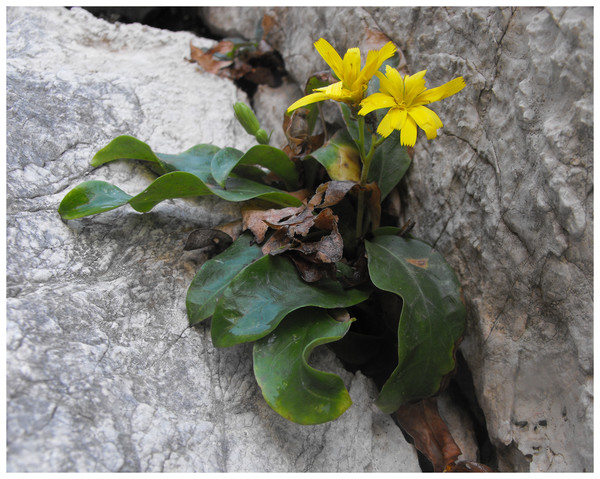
103	373
505	193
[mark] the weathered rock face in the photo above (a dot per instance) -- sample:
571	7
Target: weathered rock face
103	373
505	193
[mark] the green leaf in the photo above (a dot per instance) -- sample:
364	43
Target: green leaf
290	386
389	164
177	184
91	197
263	293
126	147
270	157
340	157
242	189
216	274
196	160
432	318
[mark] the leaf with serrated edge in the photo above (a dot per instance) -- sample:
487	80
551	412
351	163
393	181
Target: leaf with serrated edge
290	386
432	318
263	293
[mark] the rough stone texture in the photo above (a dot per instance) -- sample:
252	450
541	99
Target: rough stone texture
103	373
505	193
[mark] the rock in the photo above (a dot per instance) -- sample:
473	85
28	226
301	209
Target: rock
504	193
103	372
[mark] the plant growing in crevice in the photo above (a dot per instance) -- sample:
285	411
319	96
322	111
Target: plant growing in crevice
313	259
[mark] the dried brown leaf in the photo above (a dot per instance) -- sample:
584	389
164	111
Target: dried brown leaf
312	272
257	220
374	202
331	193
207	61
469	466
339	314
214	239
422	421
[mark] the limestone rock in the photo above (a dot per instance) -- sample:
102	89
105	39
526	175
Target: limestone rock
103	372
505	193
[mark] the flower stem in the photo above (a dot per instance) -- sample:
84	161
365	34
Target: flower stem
364	175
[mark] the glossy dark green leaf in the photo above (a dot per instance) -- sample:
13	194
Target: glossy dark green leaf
214	276
389	164
340	157
242	189
290	386
196	160
432	318
127	148
263	293
91	197
95	197
274	159
177	184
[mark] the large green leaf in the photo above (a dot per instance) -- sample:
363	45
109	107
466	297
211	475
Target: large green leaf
263	293
196	160
340	157
177	184
432	318
389	164
127	148
290	386
274	159
91	197
216	274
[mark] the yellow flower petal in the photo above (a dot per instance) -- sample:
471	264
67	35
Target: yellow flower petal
332	57
351	67
375	102
375	59
335	91
385	127
427	120
408	134
441	92
394	84
413	86
307	100
397	118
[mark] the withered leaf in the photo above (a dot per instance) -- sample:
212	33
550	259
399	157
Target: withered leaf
297	132
469	466
339	314
331	193
206	59
374	202
312	272
422	421
257	220
205	238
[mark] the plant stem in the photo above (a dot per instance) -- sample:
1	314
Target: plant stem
364	175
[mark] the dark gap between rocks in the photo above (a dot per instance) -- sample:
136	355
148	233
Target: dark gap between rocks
189	19
460	389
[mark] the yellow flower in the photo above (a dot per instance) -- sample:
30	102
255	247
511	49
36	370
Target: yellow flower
353	80
405	98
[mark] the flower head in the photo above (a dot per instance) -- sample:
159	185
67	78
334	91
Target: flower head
405	98
353	81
